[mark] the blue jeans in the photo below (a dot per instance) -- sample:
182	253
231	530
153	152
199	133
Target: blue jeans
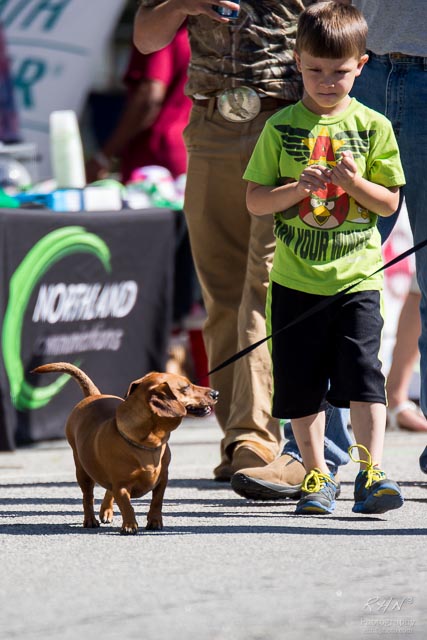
397	87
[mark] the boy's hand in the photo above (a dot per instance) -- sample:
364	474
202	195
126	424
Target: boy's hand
345	172
313	178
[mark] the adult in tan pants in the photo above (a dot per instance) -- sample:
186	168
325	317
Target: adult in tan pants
232	252
240	73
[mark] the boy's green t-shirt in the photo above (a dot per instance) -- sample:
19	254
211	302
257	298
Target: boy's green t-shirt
327	241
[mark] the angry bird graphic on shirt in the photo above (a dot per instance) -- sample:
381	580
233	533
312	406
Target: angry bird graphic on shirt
329	207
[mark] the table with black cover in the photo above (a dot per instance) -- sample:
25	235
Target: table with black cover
94	289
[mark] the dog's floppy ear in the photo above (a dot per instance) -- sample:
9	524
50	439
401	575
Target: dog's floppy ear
132	387
164	404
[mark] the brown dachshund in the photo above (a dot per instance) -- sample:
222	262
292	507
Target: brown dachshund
122	445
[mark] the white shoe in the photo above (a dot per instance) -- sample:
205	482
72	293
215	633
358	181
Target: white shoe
415	420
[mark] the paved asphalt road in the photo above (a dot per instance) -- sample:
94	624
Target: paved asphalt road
222	569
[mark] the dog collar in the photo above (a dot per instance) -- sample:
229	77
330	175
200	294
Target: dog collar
136	444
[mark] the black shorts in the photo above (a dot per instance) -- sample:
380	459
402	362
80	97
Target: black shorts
331	356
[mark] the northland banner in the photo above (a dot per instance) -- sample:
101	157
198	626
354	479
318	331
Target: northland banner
94	290
53	46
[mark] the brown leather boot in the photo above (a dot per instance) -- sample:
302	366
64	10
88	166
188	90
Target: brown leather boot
249	455
223	472
246	455
280	479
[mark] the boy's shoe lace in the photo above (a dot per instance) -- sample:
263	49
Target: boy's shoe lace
373	491
318	493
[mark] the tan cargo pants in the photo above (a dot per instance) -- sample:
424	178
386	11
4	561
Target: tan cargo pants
233	253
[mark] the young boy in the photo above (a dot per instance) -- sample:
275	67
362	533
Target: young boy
327	167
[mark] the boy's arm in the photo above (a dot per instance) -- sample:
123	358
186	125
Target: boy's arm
155	26
262	200
375	197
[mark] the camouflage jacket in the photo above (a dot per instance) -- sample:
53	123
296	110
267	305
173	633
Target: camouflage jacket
256	50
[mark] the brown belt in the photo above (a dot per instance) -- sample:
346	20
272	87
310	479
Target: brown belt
267	104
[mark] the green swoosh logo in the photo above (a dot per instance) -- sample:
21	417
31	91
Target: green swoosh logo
49	250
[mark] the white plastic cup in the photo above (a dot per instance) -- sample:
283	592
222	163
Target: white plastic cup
66	150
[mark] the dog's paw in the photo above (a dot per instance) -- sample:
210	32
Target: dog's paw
154	524
106	516
129	529
90	523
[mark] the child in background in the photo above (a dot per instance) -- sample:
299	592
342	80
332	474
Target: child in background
327	167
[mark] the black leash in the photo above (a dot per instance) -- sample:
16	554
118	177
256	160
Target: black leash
318	307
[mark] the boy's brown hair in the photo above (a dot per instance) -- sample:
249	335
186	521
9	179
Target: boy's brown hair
331	30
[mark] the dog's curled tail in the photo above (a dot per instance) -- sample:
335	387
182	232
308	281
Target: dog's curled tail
86	384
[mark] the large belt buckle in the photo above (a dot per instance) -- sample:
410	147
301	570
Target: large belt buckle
240	104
